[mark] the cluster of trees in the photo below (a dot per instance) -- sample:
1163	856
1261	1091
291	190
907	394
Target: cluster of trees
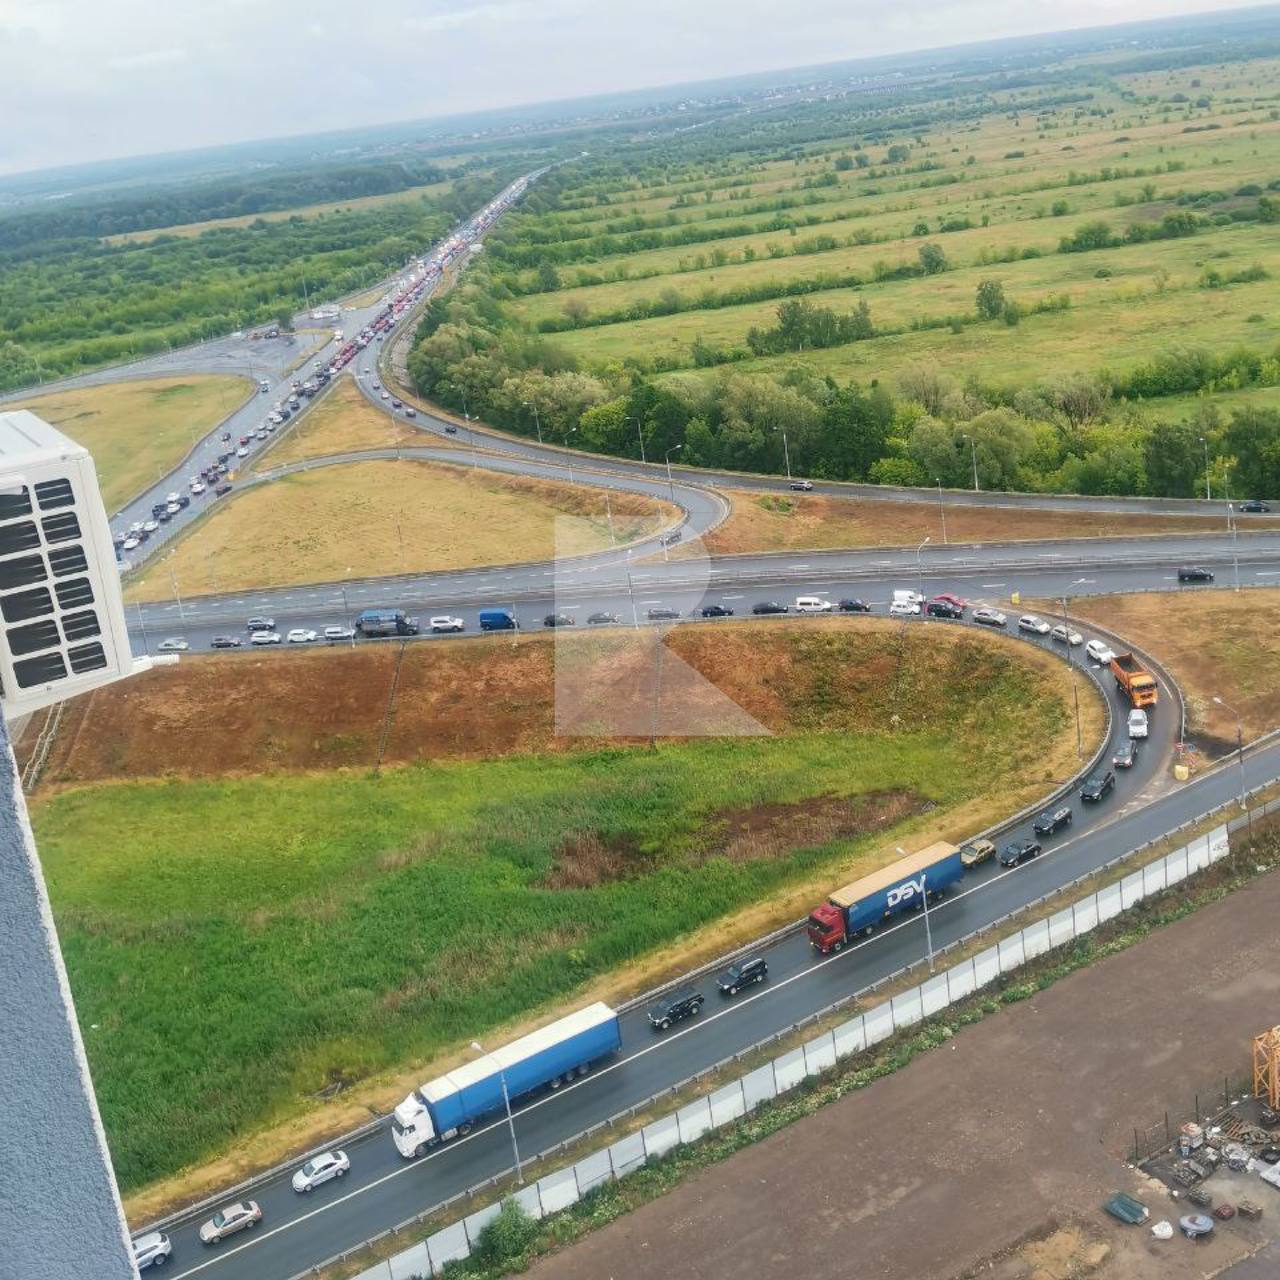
1077	434
801	324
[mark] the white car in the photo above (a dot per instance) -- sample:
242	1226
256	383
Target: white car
386	395
1037	626
265	637
242	452
173	508
198	487
151	526
173	644
319	1169
301	635
903	608
130	544
1065	635
814	604
446	623
338	633
226	1222
911	597
151	1250
1138	724
989	617
1098	652
172	497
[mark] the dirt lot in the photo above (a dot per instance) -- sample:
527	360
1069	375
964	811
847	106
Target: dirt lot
1214	642
989	1156
792	521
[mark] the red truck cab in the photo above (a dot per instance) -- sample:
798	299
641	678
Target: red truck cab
826	928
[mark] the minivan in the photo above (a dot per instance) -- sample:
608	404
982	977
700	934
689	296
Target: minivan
813	604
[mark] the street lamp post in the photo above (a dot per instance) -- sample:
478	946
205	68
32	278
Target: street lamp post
920	564
973	448
1071	667
569	459
528	404
506	1102
924	895
639	436
942	511
786	453
671	484
1208	497
1244	804
1234	525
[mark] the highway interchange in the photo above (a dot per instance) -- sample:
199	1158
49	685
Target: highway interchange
382	1190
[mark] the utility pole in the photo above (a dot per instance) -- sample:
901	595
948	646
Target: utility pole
536	421
973	447
920	567
640	437
942	511
1208	497
671	486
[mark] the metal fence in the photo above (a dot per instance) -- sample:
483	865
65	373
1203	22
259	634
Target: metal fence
1206	1104
565	1187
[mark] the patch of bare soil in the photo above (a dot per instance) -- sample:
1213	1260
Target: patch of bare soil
586	859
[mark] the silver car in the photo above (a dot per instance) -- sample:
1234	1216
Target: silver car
151	1250
226	1222
319	1169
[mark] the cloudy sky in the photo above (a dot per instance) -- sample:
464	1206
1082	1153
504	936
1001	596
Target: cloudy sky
93	79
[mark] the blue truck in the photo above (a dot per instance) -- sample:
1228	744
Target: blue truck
497	620
901	886
448	1106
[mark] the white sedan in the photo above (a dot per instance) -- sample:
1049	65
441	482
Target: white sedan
329	1164
226	1222
301	635
242	452
1037	626
265	637
904	608
446	623
198	487
174	644
1065	635
130	544
1099	652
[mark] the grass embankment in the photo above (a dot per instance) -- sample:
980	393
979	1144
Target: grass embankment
137	431
791	521
1214	643
347	926
365	519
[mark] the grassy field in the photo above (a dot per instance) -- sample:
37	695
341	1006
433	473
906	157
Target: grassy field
281	215
137	431
328	937
370	518
790	521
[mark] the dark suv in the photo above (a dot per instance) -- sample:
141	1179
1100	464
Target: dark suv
674	1008
1098	786
943	609
716	611
853	606
768	606
1195	573
1052	821
742	974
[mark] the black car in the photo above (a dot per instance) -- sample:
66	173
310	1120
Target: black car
163	516
853	606
596	618
184	501
657	614
258	623
943	609
716	611
674	1008
222	490
742	974
1052	821
158	508
1098	786
450	429
1018	852
768	606
672	538
1195	573
557	620
1126	755
1255	508
225	642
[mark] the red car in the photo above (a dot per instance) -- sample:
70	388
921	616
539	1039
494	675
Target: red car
958	601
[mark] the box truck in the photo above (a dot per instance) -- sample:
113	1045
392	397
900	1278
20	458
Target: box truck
450	1105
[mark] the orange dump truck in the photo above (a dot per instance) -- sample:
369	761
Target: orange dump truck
1134	679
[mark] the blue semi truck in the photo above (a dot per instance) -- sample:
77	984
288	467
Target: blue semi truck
901	886
450	1105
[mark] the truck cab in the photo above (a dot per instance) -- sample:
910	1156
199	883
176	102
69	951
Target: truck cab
826	928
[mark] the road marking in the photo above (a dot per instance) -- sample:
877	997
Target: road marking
988	585
738	597
1266	573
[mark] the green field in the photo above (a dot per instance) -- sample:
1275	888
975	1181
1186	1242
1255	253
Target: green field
301	930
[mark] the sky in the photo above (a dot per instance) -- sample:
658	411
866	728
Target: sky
88	80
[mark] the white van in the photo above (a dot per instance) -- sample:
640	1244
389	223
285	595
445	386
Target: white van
907	597
813	604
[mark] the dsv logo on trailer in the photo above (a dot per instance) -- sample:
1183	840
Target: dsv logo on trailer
904	892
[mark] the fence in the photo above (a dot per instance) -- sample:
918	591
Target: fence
565	1187
1207	1103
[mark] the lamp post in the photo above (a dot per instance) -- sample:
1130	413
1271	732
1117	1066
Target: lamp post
1208	497
920	565
569	459
786	452
528	404
942	511
506	1101
1234	526
671	484
973	448
924	895
1071	667
639	436
1244	804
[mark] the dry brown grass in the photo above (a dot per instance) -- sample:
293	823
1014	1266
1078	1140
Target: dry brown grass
1213	643
802	522
370	518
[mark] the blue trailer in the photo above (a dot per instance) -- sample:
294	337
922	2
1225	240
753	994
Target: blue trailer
451	1104
901	886
497	620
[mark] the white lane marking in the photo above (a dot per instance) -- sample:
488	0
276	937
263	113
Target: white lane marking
987	585
1266	573
737	597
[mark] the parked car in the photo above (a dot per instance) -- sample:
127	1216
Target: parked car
1195	573
151	1250
265	637
173	644
674	1008
1254	507
1126	754
1097	786
989	617
1016	852
804	486
557	620
976	852
1138	723
768	606
743	973
716	611
943	609
1065	635
226	1222
853	606
661	613
1051	821
301	635
320	1169
602	618
903	608
339	633
443	622
1100	653
1037	626
225	642
260	623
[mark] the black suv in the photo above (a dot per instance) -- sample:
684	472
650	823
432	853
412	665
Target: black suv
557	620
943	609
716	611
768	606
1052	821
1195	573
596	618
1254	507
225	642
742	974
1098	786
854	606
1018	852
674	1008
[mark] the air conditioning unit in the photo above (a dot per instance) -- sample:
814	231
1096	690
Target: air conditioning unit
62	628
